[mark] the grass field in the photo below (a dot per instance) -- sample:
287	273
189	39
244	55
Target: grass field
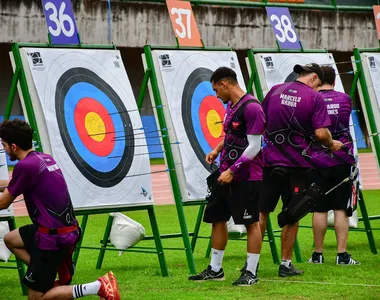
139	274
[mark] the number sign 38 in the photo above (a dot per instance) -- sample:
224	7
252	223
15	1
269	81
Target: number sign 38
283	28
60	21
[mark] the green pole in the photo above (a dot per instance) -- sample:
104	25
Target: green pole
12	94
104	242
170	161
144	85
259	92
354	86
367	103
367	224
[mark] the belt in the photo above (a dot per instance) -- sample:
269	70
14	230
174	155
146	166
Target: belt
55	231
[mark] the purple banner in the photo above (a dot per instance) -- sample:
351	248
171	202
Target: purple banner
283	27
60	21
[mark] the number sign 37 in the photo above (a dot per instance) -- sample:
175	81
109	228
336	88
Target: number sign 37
283	28
60	21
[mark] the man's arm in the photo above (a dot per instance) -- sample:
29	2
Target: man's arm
210	158
323	135
3	185
6	199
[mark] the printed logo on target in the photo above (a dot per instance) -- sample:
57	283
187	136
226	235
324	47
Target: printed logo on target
37	62
166	63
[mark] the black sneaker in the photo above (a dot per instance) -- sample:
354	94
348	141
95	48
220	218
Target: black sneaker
208	274
316	258
242	270
346	260
246	279
285	271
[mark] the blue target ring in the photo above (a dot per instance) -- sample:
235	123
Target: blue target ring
77	92
197	88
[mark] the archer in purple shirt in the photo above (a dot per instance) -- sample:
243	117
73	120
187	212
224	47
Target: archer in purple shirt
47	245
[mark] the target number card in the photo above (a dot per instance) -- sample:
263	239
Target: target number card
376	11
184	25
283	27
88	120
60	22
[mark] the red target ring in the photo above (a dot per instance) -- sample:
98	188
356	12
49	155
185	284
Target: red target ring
211	115
92	120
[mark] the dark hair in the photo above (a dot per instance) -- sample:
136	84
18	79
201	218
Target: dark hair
328	75
17	132
224	73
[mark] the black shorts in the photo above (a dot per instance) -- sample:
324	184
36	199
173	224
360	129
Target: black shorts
287	186
240	199
44	264
327	178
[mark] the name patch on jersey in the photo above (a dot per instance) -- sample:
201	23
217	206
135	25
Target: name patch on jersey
53	168
289	100
333	109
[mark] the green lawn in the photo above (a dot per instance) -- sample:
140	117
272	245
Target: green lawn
139	274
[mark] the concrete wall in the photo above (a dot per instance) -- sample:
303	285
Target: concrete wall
135	24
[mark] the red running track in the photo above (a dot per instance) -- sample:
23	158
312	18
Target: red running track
162	193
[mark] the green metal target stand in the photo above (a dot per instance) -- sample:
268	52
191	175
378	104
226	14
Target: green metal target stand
19	78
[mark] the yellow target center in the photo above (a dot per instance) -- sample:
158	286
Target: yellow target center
214	124
95	126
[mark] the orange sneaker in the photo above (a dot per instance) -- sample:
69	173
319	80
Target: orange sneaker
109	289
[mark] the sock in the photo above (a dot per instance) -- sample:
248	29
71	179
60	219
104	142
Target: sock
252	261
82	290
318	253
216	259
286	262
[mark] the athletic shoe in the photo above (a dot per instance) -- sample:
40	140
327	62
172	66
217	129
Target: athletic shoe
208	274
346	260
246	279
285	271
109	289
242	270
316	258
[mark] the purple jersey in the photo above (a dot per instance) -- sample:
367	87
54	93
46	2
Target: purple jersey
294	111
339	109
254	119
40	180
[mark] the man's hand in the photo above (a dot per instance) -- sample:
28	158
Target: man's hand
336	145
226	177
210	158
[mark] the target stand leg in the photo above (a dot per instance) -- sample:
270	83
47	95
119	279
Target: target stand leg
158	242
104	242
272	242
79	244
367	224
197	226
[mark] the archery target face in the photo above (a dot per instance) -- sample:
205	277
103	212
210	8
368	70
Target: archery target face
193	111
93	126
4	175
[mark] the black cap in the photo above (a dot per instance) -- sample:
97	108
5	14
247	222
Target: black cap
309	68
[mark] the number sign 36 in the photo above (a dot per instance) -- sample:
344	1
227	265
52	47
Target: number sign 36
283	27
60	21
